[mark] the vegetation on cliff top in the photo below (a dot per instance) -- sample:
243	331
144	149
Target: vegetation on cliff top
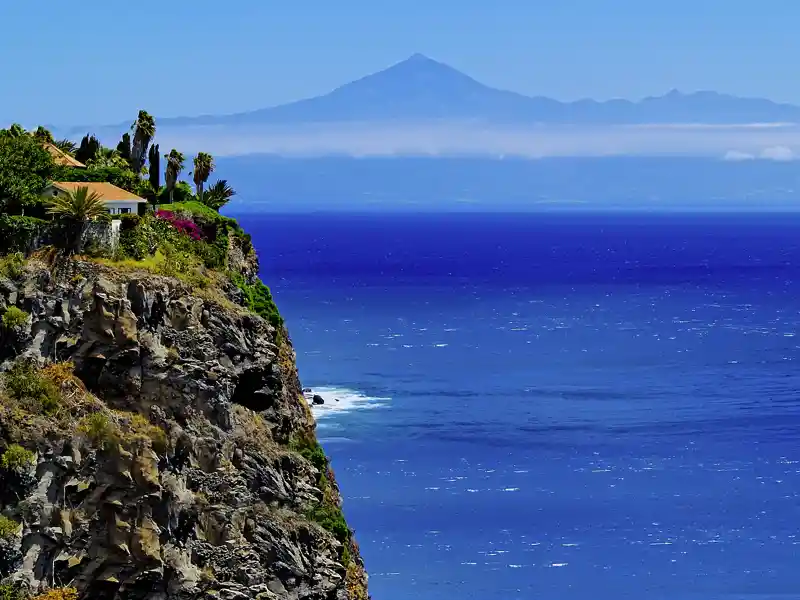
182	235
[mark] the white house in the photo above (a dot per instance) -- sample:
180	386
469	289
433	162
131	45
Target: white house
116	200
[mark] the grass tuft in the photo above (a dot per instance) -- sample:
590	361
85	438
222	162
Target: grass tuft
8	528
16	458
14	317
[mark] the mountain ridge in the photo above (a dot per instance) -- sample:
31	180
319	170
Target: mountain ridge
421	88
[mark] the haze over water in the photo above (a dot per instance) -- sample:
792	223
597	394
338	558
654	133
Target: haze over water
559	407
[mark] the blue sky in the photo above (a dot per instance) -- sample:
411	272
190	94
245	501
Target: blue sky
97	61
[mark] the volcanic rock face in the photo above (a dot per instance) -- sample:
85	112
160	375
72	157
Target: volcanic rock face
208	481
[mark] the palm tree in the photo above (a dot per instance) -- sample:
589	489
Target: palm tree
203	167
144	130
43	135
218	194
174	167
107	157
74	209
67	146
16	130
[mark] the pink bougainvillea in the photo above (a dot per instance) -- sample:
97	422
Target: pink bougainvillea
186	226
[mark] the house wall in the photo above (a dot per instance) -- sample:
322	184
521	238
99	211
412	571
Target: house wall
101	233
116	207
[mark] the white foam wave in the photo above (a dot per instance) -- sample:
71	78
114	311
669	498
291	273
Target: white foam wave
339	400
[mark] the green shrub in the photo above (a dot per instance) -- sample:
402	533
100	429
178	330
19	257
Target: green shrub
135	242
8	528
316	456
11	591
258	299
129	221
16	458
312	452
143	189
176	262
139	427
182	193
11	265
100	430
246	242
199	212
142	236
14	317
19	234
118	176
213	254
25	383
331	518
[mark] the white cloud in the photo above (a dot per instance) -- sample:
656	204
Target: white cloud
735	155
780	153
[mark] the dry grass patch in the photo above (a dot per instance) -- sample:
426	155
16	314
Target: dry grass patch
65	593
108	428
36	402
354	580
252	432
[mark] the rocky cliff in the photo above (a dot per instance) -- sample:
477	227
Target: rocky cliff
156	444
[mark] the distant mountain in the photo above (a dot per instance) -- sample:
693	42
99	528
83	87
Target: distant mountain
420	88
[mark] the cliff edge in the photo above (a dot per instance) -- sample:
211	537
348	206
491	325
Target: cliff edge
155	443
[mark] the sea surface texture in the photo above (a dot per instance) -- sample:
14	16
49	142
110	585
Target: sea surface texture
555	407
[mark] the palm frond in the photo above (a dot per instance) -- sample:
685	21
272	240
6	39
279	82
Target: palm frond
79	205
218	194
66	145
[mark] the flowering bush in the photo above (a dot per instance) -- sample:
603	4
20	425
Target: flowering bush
186	226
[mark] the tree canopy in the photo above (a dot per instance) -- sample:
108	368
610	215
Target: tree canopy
88	150
25	168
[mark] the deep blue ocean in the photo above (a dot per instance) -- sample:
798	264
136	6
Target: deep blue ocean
555	407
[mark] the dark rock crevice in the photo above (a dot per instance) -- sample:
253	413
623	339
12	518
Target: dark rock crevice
256	389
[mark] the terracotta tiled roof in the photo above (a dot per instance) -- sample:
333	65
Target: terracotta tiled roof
105	190
62	158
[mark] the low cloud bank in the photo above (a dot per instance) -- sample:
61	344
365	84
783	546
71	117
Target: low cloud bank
768	141
777	153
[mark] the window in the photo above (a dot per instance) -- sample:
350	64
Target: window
125	211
